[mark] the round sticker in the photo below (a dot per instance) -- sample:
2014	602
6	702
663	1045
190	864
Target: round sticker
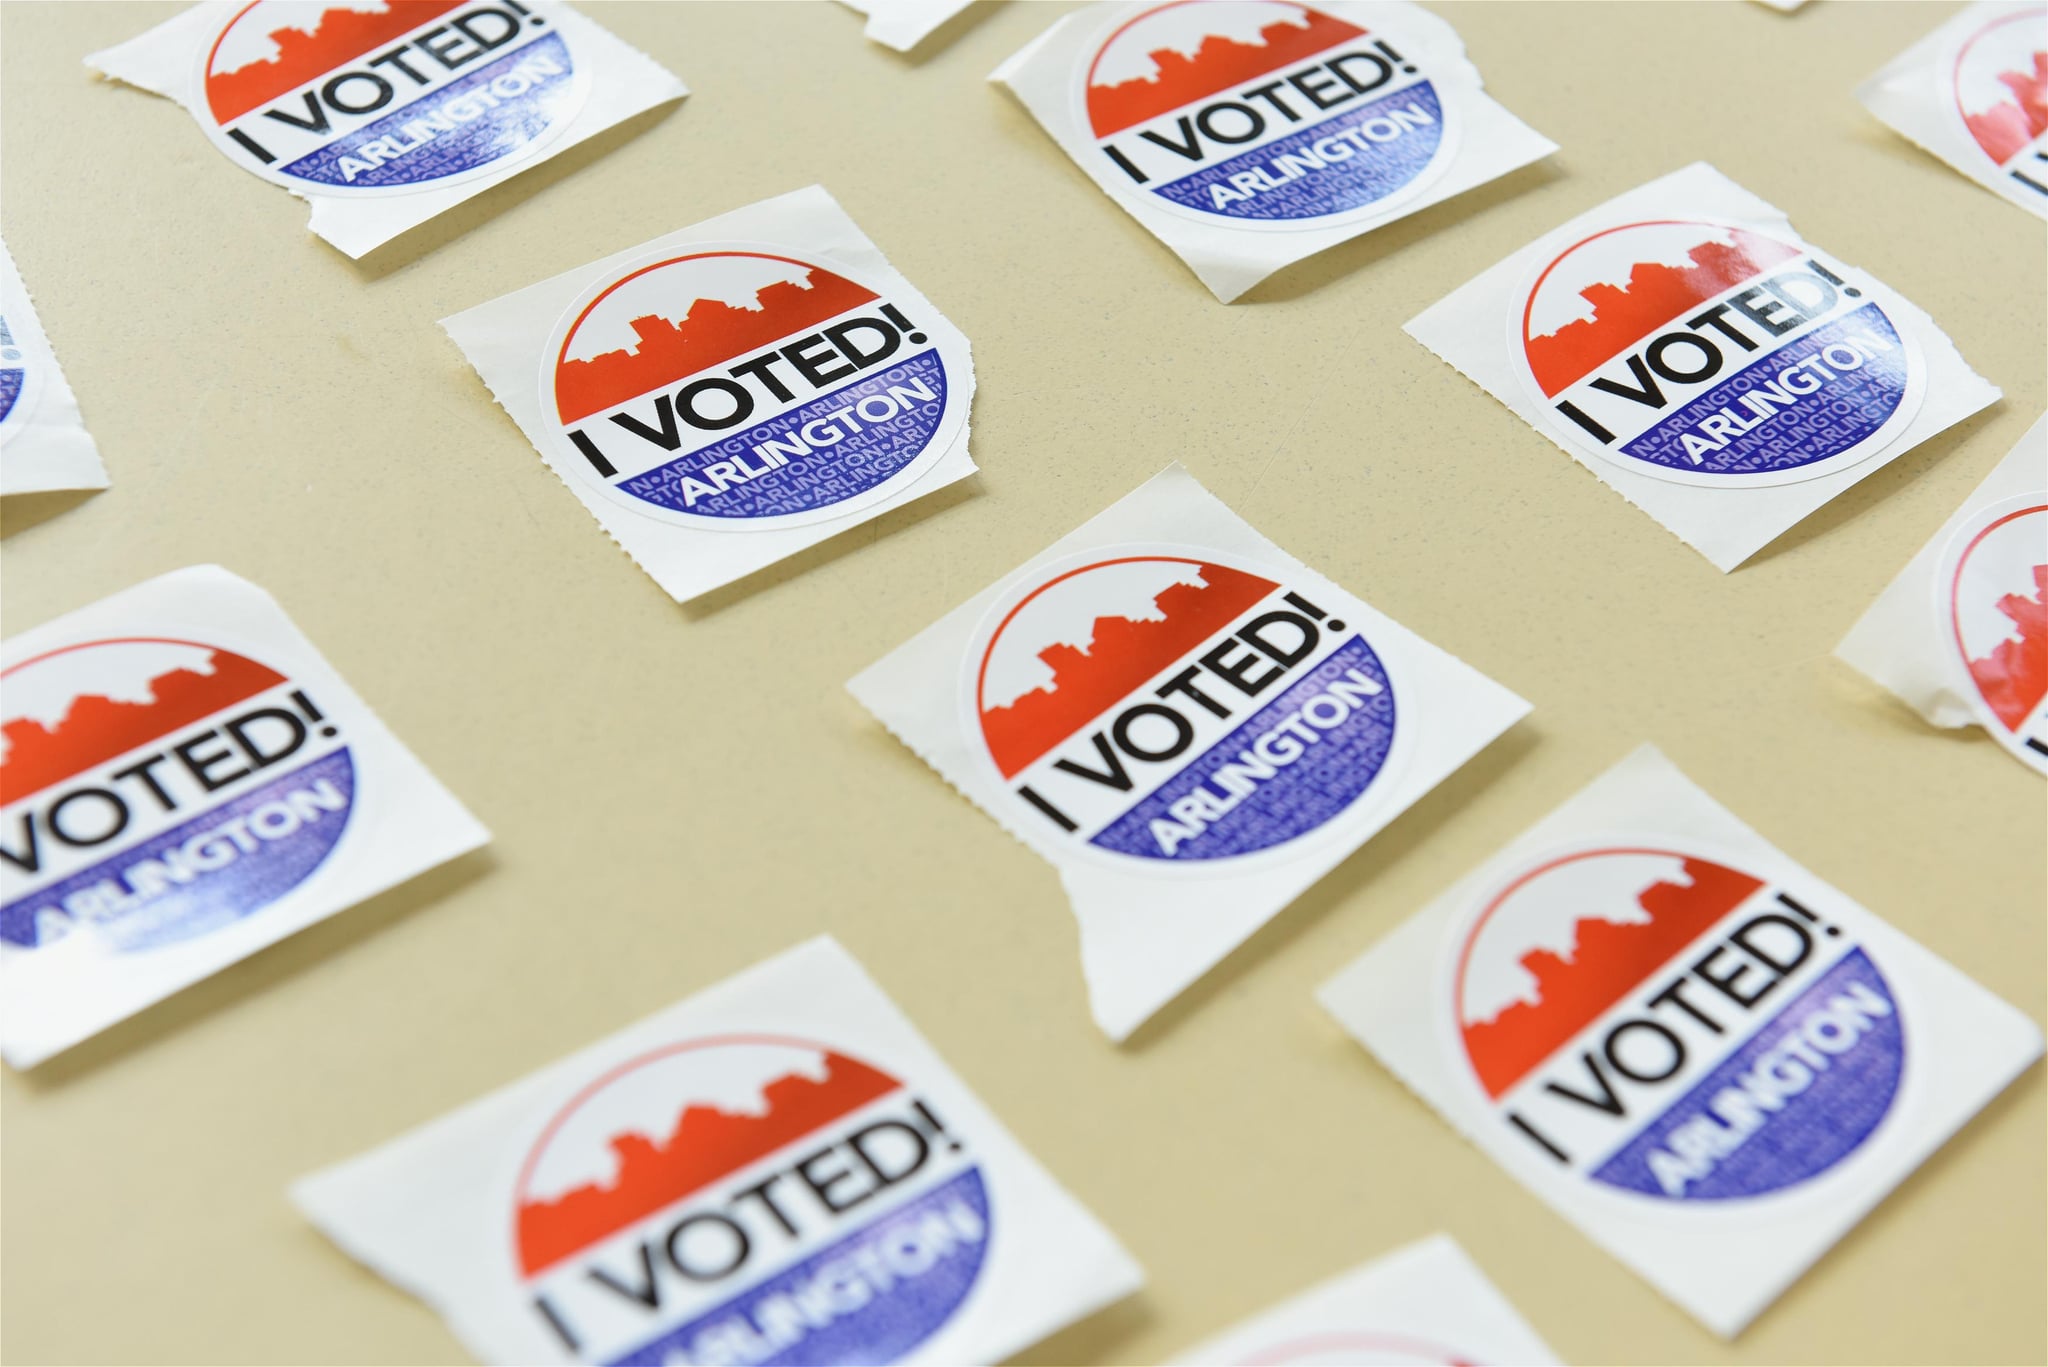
742	385
1661	1023
1991	600
1714	355
2000	85
366	100
160	789
747	1198
1261	114
1173	707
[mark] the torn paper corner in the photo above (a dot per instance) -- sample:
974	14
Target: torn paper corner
382	117
43	442
1189	724
729	394
1705	362
268	796
1247	137
1961	634
903	24
512	1215
1709	1060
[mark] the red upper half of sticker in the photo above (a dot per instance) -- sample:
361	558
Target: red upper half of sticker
1607	960
1218	63
339	34
2013	675
93	728
2001	83
1636	298
706	1144
708	332
1120	655
2008	126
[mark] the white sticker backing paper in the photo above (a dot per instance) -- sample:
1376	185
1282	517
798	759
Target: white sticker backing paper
184	781
903	24
43	441
1710	1061
1424	1304
1249	134
778	1170
1705	361
729	394
1975	93
383	113
1962	634
1190	724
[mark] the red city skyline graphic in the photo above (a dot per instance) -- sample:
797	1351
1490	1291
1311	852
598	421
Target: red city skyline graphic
2010	125
710	332
96	729
1654	295
1217	64
706	1144
1121	654
1607	960
341	36
2014	677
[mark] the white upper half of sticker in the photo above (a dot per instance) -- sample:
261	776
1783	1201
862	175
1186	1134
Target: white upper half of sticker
1427	1303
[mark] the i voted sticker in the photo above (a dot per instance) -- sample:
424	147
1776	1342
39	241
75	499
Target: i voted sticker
1992	605
1663	1023
747	1199
384	98
1713	355
156	790
746	385
1704	1056
1262	114
1176	706
1998	87
184	780
779	1172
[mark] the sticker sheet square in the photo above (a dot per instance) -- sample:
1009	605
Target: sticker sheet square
43	442
1971	93
1250	134
1961	635
1190	724
779	1169
1709	1060
1426	1303
722	397
382	115
185	780
1704	361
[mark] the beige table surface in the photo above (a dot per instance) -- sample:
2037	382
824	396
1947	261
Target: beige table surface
677	793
